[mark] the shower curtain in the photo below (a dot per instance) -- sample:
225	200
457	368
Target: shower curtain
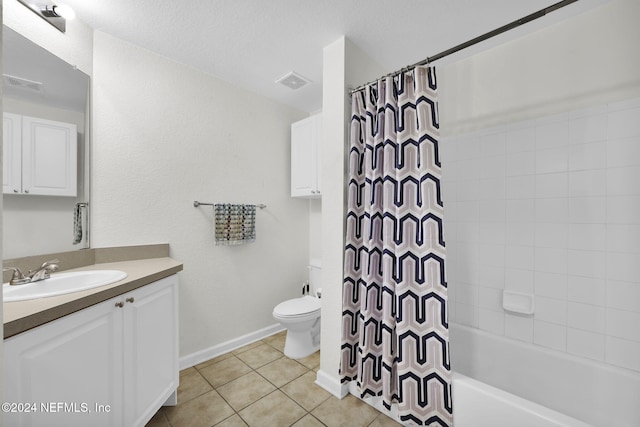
395	338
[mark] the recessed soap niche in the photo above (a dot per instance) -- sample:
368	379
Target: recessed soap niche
517	302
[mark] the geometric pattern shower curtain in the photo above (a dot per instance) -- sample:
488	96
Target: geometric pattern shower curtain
395	336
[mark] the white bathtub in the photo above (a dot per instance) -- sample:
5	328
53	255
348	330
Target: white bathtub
477	404
500	382
593	392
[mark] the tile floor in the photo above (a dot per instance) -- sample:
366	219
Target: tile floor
257	385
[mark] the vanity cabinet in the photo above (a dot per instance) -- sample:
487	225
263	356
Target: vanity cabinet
305	157
112	364
40	156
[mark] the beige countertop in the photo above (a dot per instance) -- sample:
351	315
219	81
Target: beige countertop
23	315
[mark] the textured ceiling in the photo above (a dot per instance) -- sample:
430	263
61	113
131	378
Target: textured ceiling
251	43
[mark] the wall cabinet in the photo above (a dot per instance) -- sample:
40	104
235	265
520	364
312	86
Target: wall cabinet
40	156
306	139
112	364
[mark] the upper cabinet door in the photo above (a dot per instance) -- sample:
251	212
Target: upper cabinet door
49	157
12	153
305	157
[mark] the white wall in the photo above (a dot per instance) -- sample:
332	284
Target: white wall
344	66
166	135
542	195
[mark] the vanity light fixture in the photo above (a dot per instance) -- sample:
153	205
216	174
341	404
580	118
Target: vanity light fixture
55	14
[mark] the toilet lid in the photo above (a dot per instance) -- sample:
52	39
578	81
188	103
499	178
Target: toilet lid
297	306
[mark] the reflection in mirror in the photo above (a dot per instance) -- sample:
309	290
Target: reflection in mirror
38	84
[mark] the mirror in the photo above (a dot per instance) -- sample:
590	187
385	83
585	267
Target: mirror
37	83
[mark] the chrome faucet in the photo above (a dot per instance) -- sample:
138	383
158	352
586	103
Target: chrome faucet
42	273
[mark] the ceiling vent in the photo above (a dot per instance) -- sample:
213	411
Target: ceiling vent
20	83
293	80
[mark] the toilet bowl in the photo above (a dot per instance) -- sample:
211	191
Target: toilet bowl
301	317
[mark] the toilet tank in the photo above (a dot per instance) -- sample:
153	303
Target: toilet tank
314	276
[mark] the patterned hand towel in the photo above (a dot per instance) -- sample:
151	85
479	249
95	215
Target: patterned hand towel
77	223
234	224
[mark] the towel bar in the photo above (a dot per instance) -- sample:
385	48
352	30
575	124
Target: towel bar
196	204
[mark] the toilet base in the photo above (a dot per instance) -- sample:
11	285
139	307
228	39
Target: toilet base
300	344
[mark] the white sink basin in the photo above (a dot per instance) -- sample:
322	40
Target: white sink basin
61	283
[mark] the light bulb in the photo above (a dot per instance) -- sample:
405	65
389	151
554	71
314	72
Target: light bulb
64	11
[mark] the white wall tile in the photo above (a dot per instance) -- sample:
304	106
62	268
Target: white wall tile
588	183
587	209
492	144
520	233
623	295
623	238
492	233
491	211
622	353
552	235
551	260
492	277
491	255
623	210
520	257
623	181
492	167
550	335
587	129
518	327
520	139
519	280
521	210
552	160
468	210
466	294
467	314
587	236
520	187
587	263
623	324
550	285
622	266
552	185
623	152
587	290
522	163
552	132
623	123
586	344
551	310
552	210
491	321
586	317
490	298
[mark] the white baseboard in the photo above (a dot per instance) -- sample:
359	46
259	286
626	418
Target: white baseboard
225	347
332	384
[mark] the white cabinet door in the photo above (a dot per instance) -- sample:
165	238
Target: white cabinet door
49	157
112	364
305	157
65	368
12	153
150	336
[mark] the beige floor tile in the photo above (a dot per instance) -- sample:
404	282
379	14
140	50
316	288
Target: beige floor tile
384	421
158	420
222	372
308	421
312	361
277	340
187	371
233	421
214	360
245	390
247	347
281	371
305	393
192	384
348	412
203	411
274	410
259	356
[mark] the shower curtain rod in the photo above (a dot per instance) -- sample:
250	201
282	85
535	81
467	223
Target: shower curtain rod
486	36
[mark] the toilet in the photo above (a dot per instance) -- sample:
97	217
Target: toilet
301	317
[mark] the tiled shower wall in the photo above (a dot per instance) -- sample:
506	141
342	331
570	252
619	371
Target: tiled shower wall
549	207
